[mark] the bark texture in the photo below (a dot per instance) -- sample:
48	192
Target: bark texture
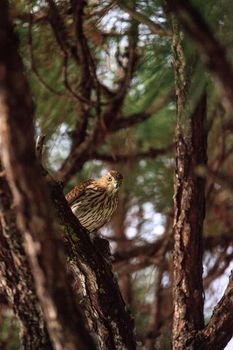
97	287
35	217
189	202
219	330
112	324
16	277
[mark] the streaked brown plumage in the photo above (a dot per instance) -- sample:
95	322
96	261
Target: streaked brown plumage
94	201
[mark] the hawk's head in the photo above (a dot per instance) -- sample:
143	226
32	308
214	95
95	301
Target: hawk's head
112	181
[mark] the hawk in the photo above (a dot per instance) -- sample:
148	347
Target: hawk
94	201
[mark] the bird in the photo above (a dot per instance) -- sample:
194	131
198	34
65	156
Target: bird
94	201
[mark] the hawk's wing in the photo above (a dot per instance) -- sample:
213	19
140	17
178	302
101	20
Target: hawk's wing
78	191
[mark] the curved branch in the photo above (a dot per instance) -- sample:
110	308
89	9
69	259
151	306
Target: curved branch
82	151
148	249
219	330
151	249
152	153
34	215
137	118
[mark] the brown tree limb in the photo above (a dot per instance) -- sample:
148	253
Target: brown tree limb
16	277
33	208
37	17
189	205
39	148
82	151
59	30
101	292
86	80
219	329
67	50
135	259
101	288
87	150
152	153
222	240
141	263
222	263
223	178
117	100
152	249
137	118
88	76
148	249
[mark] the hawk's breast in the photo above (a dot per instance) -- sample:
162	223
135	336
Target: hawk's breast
94	208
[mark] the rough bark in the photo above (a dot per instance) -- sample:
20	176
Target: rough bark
36	221
98	289
35	218
219	330
189	202
16	277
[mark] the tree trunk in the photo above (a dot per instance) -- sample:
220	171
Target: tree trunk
99	292
35	218
189	202
16	277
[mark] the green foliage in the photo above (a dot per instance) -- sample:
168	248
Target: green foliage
9	333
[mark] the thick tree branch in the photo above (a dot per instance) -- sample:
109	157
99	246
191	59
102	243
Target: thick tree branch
152	153
34	215
219	330
148	249
137	118
101	288
152	249
16	277
189	204
59	30
82	151
220	266
87	150
67	50
87	75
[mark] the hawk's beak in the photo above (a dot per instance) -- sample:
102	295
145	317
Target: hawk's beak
118	183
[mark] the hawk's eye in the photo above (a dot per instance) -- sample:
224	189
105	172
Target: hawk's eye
109	178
